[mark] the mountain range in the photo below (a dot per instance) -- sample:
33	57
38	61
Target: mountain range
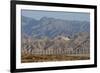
52	27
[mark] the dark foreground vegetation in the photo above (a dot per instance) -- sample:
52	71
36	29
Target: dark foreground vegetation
47	58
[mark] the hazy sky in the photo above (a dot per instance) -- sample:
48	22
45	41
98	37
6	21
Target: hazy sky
37	14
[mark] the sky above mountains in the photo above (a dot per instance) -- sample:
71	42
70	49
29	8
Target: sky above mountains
37	14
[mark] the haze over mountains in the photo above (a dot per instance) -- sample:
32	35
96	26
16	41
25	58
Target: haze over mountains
52	27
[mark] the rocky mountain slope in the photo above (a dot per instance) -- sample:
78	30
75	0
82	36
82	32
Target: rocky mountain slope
51	27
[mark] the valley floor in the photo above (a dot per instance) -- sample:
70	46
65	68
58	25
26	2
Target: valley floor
46	58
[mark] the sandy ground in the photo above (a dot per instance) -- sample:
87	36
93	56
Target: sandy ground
46	58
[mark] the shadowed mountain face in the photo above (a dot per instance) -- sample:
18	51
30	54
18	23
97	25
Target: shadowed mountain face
51	27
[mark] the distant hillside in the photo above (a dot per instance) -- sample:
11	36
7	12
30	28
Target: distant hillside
51	27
